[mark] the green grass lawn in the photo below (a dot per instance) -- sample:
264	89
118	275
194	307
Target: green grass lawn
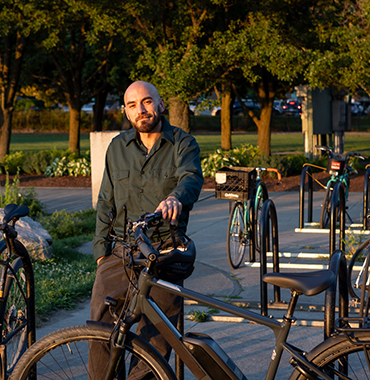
28	142
280	142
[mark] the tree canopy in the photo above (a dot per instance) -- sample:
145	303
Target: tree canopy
82	50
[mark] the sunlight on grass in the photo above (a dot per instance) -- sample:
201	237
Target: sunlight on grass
28	142
280	142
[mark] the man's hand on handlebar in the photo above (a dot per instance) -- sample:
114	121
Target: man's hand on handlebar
171	208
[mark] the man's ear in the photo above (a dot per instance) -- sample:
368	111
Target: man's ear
162	105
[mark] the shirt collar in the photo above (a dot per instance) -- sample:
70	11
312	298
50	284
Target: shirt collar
167	133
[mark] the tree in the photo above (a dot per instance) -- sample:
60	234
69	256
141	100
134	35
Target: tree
17	20
257	45
76	48
169	36
343	61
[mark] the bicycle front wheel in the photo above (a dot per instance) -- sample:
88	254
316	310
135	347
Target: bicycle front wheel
64	354
13	315
261	197
237	238
340	358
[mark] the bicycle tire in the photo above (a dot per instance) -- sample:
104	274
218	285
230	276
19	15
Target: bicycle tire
236	241
14	315
326	208
65	352
261	197
338	350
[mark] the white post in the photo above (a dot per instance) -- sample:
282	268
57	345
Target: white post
99	142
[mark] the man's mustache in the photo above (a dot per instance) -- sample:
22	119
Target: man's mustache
144	116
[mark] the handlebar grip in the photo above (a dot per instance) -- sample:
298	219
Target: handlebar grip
144	243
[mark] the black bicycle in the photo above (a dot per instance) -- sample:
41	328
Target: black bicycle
65	353
17	296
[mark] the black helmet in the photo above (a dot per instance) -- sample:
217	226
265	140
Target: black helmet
176	264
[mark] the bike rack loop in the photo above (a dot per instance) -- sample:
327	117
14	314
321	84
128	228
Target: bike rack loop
337	191
338	265
366	202
301	196
268	214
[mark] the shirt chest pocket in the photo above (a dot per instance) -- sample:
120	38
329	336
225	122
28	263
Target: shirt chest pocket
121	181
165	180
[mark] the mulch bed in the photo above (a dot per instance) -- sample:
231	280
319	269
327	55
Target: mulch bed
286	184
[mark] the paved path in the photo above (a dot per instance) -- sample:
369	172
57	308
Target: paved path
213	276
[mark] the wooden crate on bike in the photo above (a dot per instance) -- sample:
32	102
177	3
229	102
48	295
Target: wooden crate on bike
335	165
235	183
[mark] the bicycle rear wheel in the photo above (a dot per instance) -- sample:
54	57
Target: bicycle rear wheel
339	356
64	354
13	316
237	240
325	208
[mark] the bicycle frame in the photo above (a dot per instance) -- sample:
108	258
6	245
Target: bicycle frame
343	178
142	304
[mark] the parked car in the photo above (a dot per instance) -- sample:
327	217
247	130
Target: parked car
292	107
357	109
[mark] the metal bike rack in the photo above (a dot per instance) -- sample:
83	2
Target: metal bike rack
338	265
268	214
338	193
301	196
366	221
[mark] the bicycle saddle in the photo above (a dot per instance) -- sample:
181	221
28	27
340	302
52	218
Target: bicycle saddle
14	211
307	283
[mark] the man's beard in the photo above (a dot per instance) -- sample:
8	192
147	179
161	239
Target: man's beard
146	124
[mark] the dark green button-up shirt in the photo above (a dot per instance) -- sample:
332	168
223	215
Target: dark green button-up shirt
141	183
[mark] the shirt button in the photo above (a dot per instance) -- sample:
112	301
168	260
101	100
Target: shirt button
141	190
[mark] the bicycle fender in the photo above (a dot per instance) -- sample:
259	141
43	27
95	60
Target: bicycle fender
102	326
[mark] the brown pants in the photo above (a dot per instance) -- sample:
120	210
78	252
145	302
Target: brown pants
111	280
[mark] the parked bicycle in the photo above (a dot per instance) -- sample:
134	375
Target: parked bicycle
244	221
64	353
17	296
339	169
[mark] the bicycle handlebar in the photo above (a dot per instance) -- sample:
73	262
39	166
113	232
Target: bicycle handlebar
345	156
277	171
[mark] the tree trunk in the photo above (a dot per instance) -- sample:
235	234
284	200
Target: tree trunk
179	114
74	129
14	46
5	131
99	106
226	100
265	90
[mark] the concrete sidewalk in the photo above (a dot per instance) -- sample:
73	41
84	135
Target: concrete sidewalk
249	345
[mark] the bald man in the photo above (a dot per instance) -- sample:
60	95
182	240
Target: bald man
151	167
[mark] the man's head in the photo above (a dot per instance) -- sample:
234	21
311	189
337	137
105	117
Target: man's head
144	107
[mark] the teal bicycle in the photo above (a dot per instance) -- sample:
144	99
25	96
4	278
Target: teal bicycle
244	221
339	168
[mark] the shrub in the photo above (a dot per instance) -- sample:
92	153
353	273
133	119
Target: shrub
240	156
247	155
12	162
63	224
13	194
64	167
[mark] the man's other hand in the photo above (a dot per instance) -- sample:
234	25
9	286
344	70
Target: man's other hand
170	208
